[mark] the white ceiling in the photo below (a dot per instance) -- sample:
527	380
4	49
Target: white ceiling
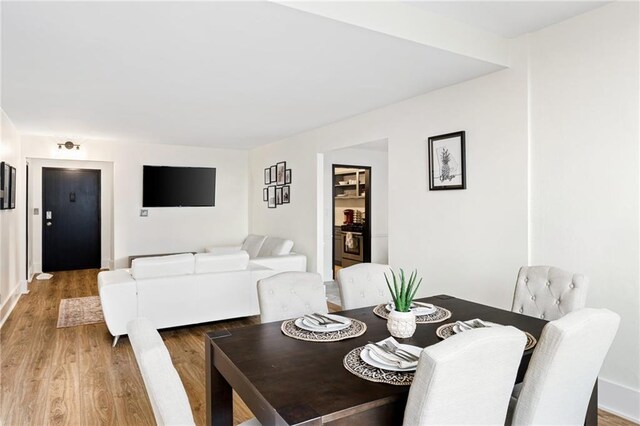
508	18
218	74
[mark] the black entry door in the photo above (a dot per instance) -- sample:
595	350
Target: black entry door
70	219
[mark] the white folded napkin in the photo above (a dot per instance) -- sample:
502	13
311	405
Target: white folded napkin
470	325
390	358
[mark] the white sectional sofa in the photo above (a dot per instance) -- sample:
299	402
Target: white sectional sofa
186	289
270	252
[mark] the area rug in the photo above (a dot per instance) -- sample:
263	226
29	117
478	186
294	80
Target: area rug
80	311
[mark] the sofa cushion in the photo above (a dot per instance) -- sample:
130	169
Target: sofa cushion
253	244
212	262
273	246
162	266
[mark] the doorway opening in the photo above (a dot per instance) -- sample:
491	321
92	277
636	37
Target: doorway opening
71	228
351	207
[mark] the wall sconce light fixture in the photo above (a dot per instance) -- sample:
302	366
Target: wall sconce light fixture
68	145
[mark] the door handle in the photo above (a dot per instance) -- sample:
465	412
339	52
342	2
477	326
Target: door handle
49	224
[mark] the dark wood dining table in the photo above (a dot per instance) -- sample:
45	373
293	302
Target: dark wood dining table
285	381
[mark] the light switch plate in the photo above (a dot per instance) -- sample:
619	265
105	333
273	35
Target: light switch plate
144	213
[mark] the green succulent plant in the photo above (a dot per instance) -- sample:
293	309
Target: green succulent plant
403	291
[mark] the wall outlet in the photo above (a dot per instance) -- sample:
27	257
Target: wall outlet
144	213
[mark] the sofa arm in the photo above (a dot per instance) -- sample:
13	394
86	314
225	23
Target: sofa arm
285	263
222	249
118	297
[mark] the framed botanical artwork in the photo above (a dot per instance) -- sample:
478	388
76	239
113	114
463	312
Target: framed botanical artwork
280	172
272	174
279	195
267	176
271	200
5	173
265	194
12	189
287	176
286	194
447	162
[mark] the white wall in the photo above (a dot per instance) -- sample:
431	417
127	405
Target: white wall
106	207
483	228
378	216
12	253
585	146
552	172
165	230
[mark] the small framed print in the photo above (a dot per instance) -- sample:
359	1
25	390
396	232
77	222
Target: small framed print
287	176
12	189
286	192
271	201
447	162
267	176
280	171
5	172
272	174
265	194
278	195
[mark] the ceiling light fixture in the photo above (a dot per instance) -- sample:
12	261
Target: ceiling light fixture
68	145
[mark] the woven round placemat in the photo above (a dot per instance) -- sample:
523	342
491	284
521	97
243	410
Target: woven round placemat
357	328
439	315
355	365
446	330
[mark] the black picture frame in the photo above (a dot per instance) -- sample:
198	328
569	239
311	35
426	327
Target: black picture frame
278	195
271	200
267	176
5	174
287	176
265	194
281	168
12	188
286	194
447	168
273	174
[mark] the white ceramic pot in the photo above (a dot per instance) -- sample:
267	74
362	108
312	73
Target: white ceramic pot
401	324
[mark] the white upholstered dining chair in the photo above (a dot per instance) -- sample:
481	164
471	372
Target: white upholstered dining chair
363	285
466	379
564	368
291	294
549	293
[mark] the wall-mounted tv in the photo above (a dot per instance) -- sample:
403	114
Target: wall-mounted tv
164	186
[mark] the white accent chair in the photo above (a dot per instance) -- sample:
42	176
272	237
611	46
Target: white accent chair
549	293
165	390
466	379
290	295
363	285
564	367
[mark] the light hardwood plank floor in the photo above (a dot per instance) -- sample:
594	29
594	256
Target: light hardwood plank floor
72	376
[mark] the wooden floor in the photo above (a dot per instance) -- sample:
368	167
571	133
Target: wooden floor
72	376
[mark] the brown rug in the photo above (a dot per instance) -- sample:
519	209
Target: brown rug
80	311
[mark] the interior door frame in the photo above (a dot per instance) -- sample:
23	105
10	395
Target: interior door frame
366	235
99	210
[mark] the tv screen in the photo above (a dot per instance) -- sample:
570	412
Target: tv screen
178	186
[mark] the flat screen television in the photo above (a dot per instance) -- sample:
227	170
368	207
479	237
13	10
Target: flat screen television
164	186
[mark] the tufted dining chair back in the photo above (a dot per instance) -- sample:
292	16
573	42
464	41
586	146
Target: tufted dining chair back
290	295
564	367
363	285
466	379
549	293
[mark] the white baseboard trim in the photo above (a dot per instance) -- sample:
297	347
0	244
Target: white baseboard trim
619	400
10	302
